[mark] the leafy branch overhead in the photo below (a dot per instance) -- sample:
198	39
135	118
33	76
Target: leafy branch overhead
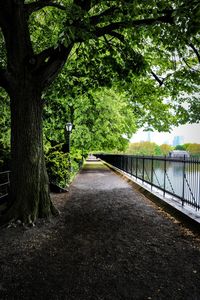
80	21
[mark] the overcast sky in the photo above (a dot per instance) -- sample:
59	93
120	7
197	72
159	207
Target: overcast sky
190	134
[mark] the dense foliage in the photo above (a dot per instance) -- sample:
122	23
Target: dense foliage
148	148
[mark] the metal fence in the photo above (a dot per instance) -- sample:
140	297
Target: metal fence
178	177
4	185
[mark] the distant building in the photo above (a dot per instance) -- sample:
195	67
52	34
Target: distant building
178	140
179	154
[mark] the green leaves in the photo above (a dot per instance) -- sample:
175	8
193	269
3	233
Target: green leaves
106	87
102	119
4	120
107	117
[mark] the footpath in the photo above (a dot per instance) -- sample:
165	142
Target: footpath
110	243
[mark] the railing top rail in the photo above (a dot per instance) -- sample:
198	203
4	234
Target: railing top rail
180	180
5	172
5	183
161	158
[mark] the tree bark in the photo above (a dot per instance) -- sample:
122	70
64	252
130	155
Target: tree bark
24	79
30	197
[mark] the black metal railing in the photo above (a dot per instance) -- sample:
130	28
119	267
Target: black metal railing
178	177
4	185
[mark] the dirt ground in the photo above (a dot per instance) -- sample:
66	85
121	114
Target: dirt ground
109	243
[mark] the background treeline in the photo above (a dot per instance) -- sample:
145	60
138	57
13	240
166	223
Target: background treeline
150	148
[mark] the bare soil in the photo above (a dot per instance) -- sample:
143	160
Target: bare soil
109	243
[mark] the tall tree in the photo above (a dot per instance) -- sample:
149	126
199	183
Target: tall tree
33	59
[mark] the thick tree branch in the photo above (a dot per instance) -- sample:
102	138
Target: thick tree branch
160	81
3	79
16	34
35	6
85	5
38	60
94	20
108	29
189	67
52	61
157	78
117	35
108	12
195	51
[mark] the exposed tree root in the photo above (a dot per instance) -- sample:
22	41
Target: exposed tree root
15	216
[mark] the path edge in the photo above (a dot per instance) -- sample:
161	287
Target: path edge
187	218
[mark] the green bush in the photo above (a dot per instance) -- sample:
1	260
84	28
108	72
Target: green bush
58	167
62	167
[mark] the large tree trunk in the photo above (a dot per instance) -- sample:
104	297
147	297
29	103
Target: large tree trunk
25	76
30	196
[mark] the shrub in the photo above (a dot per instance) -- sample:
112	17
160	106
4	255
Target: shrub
62	167
58	167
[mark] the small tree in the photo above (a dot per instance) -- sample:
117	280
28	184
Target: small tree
165	149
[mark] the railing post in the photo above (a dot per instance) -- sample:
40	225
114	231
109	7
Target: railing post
131	157
143	168
136	166
183	190
165	161
152	172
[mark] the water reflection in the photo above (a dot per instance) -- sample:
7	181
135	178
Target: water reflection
182	179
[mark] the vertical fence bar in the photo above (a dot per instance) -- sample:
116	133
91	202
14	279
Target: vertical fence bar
164	184
131	165
152	160
199	185
196	176
143	168
183	190
136	167
193	179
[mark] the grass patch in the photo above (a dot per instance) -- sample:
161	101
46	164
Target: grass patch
94	165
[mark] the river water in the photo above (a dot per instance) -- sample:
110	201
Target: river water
178	178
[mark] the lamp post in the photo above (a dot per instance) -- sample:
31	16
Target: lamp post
68	132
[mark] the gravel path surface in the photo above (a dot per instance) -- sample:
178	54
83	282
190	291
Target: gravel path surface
109	243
